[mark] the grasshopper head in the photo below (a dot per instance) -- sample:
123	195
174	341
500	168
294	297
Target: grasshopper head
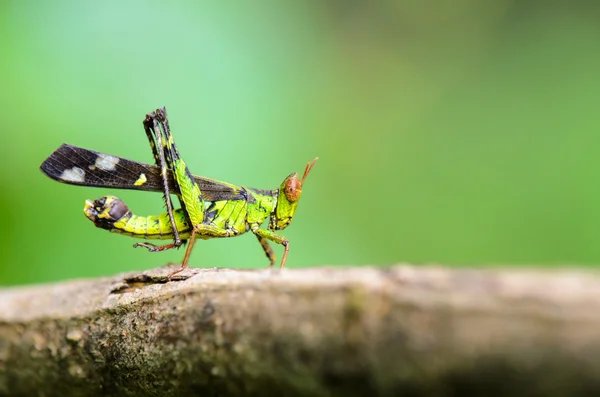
105	211
287	199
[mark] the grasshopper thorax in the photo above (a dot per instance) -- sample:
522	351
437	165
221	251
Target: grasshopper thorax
288	196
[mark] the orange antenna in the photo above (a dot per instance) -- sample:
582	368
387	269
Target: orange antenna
309	166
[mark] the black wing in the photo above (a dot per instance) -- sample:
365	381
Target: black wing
78	166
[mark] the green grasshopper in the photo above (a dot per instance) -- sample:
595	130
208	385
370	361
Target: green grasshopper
209	208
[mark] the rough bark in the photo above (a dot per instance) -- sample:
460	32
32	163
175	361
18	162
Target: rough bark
410	331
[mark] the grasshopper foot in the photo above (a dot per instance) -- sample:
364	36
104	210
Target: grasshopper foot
157	248
174	272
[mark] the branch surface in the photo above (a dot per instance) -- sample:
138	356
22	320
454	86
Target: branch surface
406	330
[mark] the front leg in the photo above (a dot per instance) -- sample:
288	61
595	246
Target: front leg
276	238
264	243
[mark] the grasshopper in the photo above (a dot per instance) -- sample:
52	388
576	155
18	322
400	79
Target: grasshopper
209	208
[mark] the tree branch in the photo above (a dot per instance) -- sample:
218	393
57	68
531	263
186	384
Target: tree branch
313	332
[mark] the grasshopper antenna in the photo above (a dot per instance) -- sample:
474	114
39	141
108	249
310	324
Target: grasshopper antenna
309	167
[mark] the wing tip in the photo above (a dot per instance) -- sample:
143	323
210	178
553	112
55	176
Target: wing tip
48	166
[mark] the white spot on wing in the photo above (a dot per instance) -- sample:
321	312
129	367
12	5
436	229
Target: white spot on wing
74	174
106	162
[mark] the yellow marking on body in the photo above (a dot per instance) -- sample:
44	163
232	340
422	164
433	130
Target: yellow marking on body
140	226
104	214
236	221
164	223
120	224
153	227
224	214
141	180
218	206
180	220
131	224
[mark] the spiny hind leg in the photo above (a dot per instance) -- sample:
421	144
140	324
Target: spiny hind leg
189	193
168	141
155	139
276	238
264	243
152	139
159	248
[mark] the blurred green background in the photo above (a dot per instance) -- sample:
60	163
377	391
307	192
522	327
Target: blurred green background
462	133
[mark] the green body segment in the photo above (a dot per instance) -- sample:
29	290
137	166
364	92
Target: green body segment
111	213
153	227
234	217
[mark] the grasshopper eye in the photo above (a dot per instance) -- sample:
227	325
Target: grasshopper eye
293	188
